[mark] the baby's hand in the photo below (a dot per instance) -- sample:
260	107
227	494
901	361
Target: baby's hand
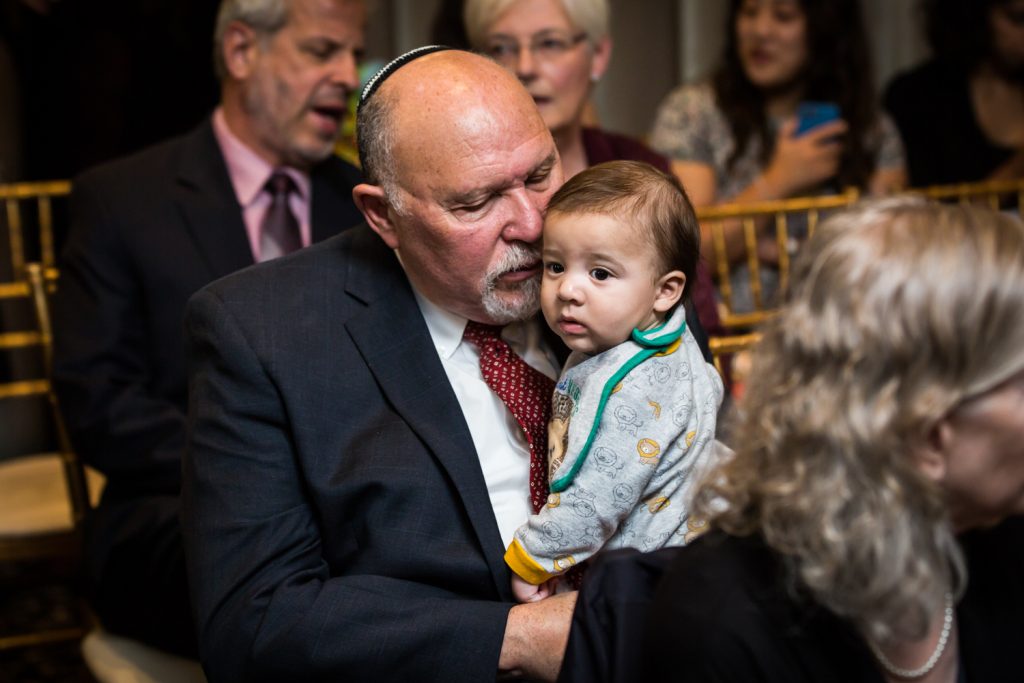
527	592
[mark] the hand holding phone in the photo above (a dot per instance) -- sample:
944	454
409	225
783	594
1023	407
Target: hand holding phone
813	114
807	150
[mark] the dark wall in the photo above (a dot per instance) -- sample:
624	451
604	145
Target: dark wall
102	78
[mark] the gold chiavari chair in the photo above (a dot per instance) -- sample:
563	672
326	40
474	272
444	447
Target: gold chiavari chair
27	223
41	479
44	496
997	194
752	219
731	357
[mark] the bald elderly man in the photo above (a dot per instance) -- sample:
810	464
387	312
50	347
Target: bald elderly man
351	482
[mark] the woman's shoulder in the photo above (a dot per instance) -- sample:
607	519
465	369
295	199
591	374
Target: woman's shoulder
926	81
727	606
689	101
724	567
694	93
622	625
709	605
989	615
689	126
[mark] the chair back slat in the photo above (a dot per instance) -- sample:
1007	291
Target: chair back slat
750	219
28	218
996	194
46	249
753	263
15	238
20	339
782	243
722	264
24	388
724	347
27	379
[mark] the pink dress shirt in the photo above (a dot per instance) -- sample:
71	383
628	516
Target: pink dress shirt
249	173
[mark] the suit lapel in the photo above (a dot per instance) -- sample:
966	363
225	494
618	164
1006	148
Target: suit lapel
207	201
392	328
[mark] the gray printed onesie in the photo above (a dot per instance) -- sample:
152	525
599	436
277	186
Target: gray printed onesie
631	431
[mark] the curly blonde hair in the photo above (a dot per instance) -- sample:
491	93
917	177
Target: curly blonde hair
898	311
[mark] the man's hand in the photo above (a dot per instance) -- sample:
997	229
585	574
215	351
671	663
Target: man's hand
536	635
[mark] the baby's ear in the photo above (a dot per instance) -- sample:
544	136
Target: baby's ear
669	290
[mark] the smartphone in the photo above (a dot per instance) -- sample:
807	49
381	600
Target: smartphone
812	114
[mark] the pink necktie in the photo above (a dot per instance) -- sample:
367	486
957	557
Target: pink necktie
279	232
527	394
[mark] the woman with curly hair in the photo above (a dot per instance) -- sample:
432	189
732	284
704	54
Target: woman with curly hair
734	138
868	527
860	532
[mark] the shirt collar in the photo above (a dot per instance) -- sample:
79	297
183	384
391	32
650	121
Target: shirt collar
446	328
248	171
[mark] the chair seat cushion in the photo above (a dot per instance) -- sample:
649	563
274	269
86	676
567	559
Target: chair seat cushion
35	497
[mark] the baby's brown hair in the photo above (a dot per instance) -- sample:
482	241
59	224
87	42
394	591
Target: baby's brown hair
653	202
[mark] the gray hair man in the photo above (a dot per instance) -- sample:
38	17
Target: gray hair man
254	180
352	480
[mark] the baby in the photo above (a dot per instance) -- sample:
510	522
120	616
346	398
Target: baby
633	417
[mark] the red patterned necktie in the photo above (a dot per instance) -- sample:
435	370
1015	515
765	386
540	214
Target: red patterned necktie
527	394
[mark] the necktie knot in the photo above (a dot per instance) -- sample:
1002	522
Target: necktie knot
280	183
480	333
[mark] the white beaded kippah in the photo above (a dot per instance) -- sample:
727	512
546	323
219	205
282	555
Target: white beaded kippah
393	66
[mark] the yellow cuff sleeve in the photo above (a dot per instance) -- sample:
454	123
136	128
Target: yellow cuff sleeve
525	566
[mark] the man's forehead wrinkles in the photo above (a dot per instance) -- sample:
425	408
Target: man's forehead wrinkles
484	181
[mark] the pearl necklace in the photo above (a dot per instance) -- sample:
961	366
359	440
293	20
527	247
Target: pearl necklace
940	647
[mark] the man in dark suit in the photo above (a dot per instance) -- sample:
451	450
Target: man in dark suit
351	481
151	229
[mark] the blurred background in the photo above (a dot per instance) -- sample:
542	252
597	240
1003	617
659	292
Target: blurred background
83	81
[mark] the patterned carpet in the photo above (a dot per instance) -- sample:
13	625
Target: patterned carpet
49	664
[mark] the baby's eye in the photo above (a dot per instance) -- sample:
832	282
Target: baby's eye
554	267
600	274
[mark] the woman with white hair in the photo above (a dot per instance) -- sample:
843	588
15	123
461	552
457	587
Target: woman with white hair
869	526
559	49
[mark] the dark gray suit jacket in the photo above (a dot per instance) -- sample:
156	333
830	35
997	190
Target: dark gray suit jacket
337	523
147	232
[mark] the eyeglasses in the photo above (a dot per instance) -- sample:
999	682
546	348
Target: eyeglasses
545	47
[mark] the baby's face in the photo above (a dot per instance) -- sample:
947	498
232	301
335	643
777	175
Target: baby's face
601	279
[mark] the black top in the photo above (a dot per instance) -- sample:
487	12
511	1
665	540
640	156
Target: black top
723	610
931	105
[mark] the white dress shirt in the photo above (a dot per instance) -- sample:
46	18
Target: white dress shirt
499	440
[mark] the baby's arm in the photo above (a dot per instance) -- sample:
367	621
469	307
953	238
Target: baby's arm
577	523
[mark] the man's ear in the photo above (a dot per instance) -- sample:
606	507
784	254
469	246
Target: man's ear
669	290
376	209
930	457
241	49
